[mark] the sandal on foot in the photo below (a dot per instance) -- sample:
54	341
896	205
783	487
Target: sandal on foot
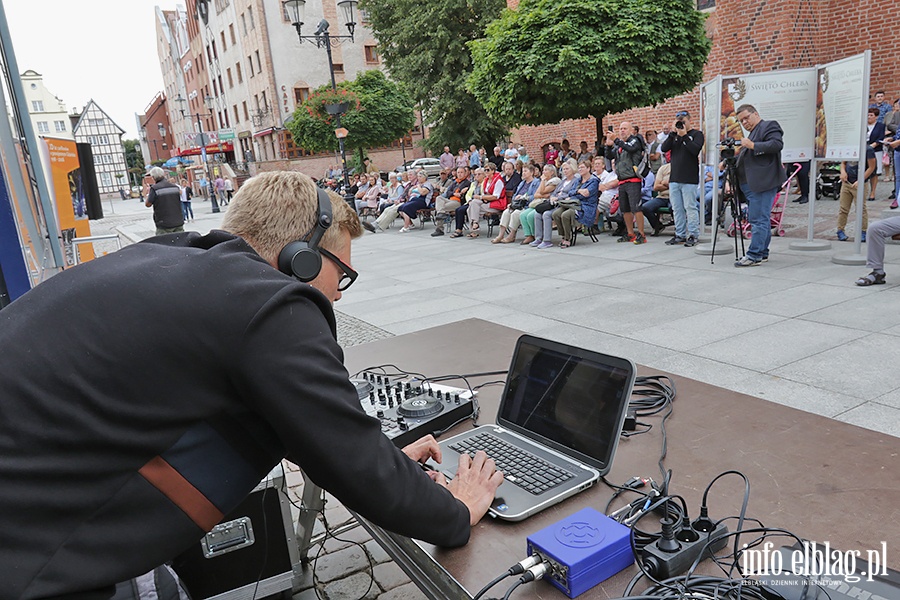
456	234
473	234
872	278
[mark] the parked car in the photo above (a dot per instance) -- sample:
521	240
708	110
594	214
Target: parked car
432	166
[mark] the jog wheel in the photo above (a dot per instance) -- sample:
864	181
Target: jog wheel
363	388
422	406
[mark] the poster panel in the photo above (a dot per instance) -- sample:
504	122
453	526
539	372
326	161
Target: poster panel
784	96
68	195
839	108
710	94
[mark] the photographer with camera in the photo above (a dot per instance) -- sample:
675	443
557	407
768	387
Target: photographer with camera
627	150
760	174
684	180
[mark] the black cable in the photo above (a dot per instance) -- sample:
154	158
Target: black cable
513	588
491	584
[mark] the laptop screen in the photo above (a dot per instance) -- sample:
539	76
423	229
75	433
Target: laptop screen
571	399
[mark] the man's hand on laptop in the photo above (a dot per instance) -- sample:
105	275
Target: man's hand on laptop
423	449
475	484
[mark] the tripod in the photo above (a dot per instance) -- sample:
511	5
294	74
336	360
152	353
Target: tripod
731	200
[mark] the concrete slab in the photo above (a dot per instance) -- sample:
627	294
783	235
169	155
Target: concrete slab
800	300
856	368
871	416
703	369
890	399
866	312
703	328
779	344
592	339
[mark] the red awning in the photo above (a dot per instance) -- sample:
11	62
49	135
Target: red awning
210	149
264	132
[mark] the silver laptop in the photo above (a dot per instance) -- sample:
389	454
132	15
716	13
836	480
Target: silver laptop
557	428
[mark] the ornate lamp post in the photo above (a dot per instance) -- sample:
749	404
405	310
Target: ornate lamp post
208	103
321	38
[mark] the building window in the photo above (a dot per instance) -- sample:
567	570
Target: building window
95	122
215	52
221	86
246	112
105	179
231	31
338	67
60	125
230	80
265	102
250	66
215	91
43	127
301	94
224	46
243	24
250	14
371	54
706	4
258	62
237	118
240	75
37	106
104	139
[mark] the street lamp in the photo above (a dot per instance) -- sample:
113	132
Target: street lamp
162	133
296	10
208	103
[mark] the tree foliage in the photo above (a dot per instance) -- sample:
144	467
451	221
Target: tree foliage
379	112
424	46
551	60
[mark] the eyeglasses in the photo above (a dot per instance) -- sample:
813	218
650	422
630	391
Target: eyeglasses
680	114
349	275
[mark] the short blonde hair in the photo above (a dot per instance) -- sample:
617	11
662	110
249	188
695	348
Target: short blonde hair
276	208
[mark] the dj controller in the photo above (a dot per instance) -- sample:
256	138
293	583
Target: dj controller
409	408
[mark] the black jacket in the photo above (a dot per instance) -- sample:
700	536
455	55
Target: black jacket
627	155
145	393
685	152
165	197
761	167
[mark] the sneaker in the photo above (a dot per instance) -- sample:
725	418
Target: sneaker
675	241
764	259
368	226
626	238
690	242
893	205
657	230
437	232
863	236
404	229
802	200
841	236
535	243
544	245
747	262
639	239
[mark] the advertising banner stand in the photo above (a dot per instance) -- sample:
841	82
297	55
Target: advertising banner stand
844	121
710	109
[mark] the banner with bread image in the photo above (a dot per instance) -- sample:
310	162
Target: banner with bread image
784	96
840	108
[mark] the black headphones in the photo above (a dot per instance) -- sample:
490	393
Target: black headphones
301	258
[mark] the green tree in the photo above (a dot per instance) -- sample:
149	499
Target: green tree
424	47
577	58
379	112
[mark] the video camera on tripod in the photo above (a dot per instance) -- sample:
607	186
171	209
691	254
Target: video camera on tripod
727	145
731	200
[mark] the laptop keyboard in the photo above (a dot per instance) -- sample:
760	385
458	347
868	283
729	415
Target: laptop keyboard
521	468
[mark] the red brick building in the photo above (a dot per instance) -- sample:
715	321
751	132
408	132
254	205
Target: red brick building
759	36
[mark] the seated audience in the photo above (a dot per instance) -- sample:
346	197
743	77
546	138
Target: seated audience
608	188
461	213
580	206
492	199
546	184
520	199
543	220
419	199
372	194
462	159
453	197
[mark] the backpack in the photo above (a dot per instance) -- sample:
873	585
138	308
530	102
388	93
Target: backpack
643	167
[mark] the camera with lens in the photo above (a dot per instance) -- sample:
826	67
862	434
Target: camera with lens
727	146
679	124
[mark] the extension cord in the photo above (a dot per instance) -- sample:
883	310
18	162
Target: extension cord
663	564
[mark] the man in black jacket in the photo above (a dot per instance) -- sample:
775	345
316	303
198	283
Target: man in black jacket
131	421
165	198
685	144
760	174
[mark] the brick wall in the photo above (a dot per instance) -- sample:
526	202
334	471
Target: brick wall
753	37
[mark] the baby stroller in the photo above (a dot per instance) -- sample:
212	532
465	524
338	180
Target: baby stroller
828	182
778	206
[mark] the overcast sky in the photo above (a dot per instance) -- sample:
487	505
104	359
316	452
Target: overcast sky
100	49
